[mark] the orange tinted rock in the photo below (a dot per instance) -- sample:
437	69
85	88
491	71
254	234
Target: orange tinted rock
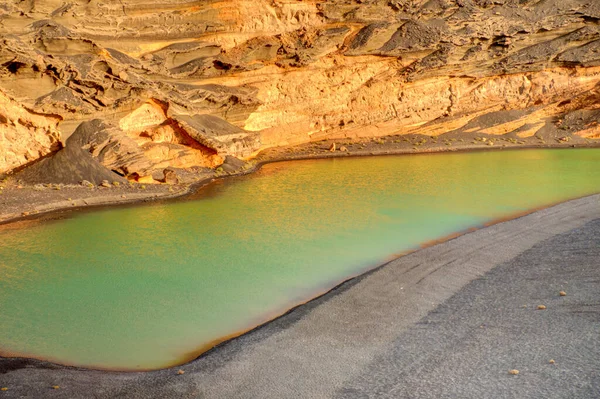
184	85
146	180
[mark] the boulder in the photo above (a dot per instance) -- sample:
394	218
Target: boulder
218	134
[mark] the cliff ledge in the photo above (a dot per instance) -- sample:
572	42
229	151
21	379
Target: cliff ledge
144	90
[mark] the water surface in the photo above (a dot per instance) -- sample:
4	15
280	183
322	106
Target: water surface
151	286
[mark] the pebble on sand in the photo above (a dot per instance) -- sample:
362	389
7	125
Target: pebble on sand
513	372
541	307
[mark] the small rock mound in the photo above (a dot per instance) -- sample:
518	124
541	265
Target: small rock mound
70	165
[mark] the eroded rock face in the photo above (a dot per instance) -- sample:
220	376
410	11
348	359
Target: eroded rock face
24	135
184	83
81	160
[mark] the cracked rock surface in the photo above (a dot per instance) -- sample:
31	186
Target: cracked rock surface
185	84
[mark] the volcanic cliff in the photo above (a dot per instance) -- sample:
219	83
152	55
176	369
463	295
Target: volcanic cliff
140	89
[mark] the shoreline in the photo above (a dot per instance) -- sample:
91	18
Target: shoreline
330	288
40	208
318	293
429	265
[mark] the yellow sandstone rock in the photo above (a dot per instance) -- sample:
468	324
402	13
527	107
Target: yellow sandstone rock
186	84
146	180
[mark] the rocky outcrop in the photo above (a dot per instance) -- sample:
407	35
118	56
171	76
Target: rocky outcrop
80	160
213	132
24	135
184	83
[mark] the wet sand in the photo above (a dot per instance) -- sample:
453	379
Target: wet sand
449	320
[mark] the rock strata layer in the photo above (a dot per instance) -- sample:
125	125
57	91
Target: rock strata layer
181	84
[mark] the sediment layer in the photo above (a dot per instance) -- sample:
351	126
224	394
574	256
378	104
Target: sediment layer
185	84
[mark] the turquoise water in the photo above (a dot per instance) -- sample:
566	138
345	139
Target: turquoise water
148	287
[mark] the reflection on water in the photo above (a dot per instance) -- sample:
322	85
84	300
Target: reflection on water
148	287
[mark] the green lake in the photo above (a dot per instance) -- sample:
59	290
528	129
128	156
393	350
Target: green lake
147	287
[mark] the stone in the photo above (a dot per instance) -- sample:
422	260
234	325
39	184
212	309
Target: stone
70	165
218	134
232	164
111	147
170	176
146	179
179	86
24	135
